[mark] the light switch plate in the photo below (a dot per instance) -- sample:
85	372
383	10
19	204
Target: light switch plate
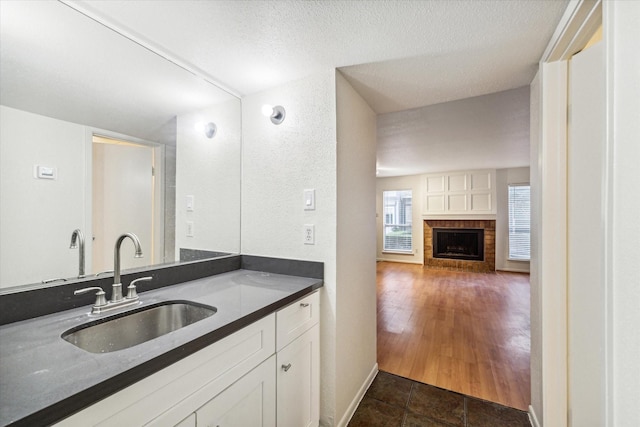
310	200
190	200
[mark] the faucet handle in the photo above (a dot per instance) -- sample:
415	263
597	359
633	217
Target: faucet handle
103	272
131	289
101	299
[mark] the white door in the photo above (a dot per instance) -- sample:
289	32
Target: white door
123	186
585	237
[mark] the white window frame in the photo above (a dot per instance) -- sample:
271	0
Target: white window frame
512	224
394	213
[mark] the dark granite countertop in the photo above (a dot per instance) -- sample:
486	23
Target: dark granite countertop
44	378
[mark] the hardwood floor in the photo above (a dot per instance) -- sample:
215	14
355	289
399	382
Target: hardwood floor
465	332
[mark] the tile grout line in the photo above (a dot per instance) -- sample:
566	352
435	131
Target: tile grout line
406	405
464	412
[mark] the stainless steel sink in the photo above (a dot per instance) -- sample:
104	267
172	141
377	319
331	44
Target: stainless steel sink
137	326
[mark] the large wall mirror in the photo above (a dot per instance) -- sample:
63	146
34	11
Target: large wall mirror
102	135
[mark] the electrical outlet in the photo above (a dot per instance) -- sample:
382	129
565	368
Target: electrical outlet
309	237
189	228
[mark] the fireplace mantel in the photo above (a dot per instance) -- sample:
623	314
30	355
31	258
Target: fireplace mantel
459	217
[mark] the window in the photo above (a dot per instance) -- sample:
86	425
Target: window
397	221
519	222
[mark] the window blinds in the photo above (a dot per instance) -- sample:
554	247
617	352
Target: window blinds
397	222
519	222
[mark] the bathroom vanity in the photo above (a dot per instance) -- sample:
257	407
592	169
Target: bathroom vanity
255	361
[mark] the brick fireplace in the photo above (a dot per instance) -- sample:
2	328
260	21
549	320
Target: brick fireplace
488	264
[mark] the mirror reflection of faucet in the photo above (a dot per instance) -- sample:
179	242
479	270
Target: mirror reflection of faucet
55	279
117	300
77	241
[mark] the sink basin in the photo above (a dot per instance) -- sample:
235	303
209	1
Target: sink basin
137	326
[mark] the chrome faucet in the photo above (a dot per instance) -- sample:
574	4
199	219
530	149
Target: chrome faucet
117	300
116	295
78	236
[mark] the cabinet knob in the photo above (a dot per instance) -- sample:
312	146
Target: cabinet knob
304	304
286	367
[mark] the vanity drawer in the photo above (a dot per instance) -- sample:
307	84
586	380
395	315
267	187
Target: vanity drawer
296	318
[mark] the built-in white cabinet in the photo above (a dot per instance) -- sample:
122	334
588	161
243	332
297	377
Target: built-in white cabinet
298	361
460	193
250	401
297	378
266	374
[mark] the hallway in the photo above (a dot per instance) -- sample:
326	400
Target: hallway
465	332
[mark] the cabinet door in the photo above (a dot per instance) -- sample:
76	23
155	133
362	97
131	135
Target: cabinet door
248	402
298	381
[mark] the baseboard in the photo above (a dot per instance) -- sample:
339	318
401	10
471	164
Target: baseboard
532	417
513	270
400	261
356	400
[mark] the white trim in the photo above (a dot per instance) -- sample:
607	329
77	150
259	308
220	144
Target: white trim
399	261
533	419
553	242
358	398
91	13
513	270
579	22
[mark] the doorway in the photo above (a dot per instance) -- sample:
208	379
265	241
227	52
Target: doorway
125	199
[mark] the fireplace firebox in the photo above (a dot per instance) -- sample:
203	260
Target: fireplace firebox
458	243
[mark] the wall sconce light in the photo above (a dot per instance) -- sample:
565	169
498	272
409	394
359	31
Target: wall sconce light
276	114
210	129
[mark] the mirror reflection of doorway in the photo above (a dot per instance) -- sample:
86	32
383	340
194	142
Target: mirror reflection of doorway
125	192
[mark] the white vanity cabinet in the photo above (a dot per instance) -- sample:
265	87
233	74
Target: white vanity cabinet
238	381
298	361
250	401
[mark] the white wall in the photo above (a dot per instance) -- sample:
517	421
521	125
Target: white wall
504	177
621	35
30	249
409	182
414	183
209	169
309	151
356	246
278	163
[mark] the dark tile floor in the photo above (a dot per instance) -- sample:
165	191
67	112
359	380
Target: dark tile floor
396	401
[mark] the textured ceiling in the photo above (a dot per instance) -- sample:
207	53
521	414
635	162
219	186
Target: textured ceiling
483	132
397	54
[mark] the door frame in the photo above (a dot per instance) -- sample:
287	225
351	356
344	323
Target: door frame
159	188
580	20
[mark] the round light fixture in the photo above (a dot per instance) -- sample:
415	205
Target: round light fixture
276	114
